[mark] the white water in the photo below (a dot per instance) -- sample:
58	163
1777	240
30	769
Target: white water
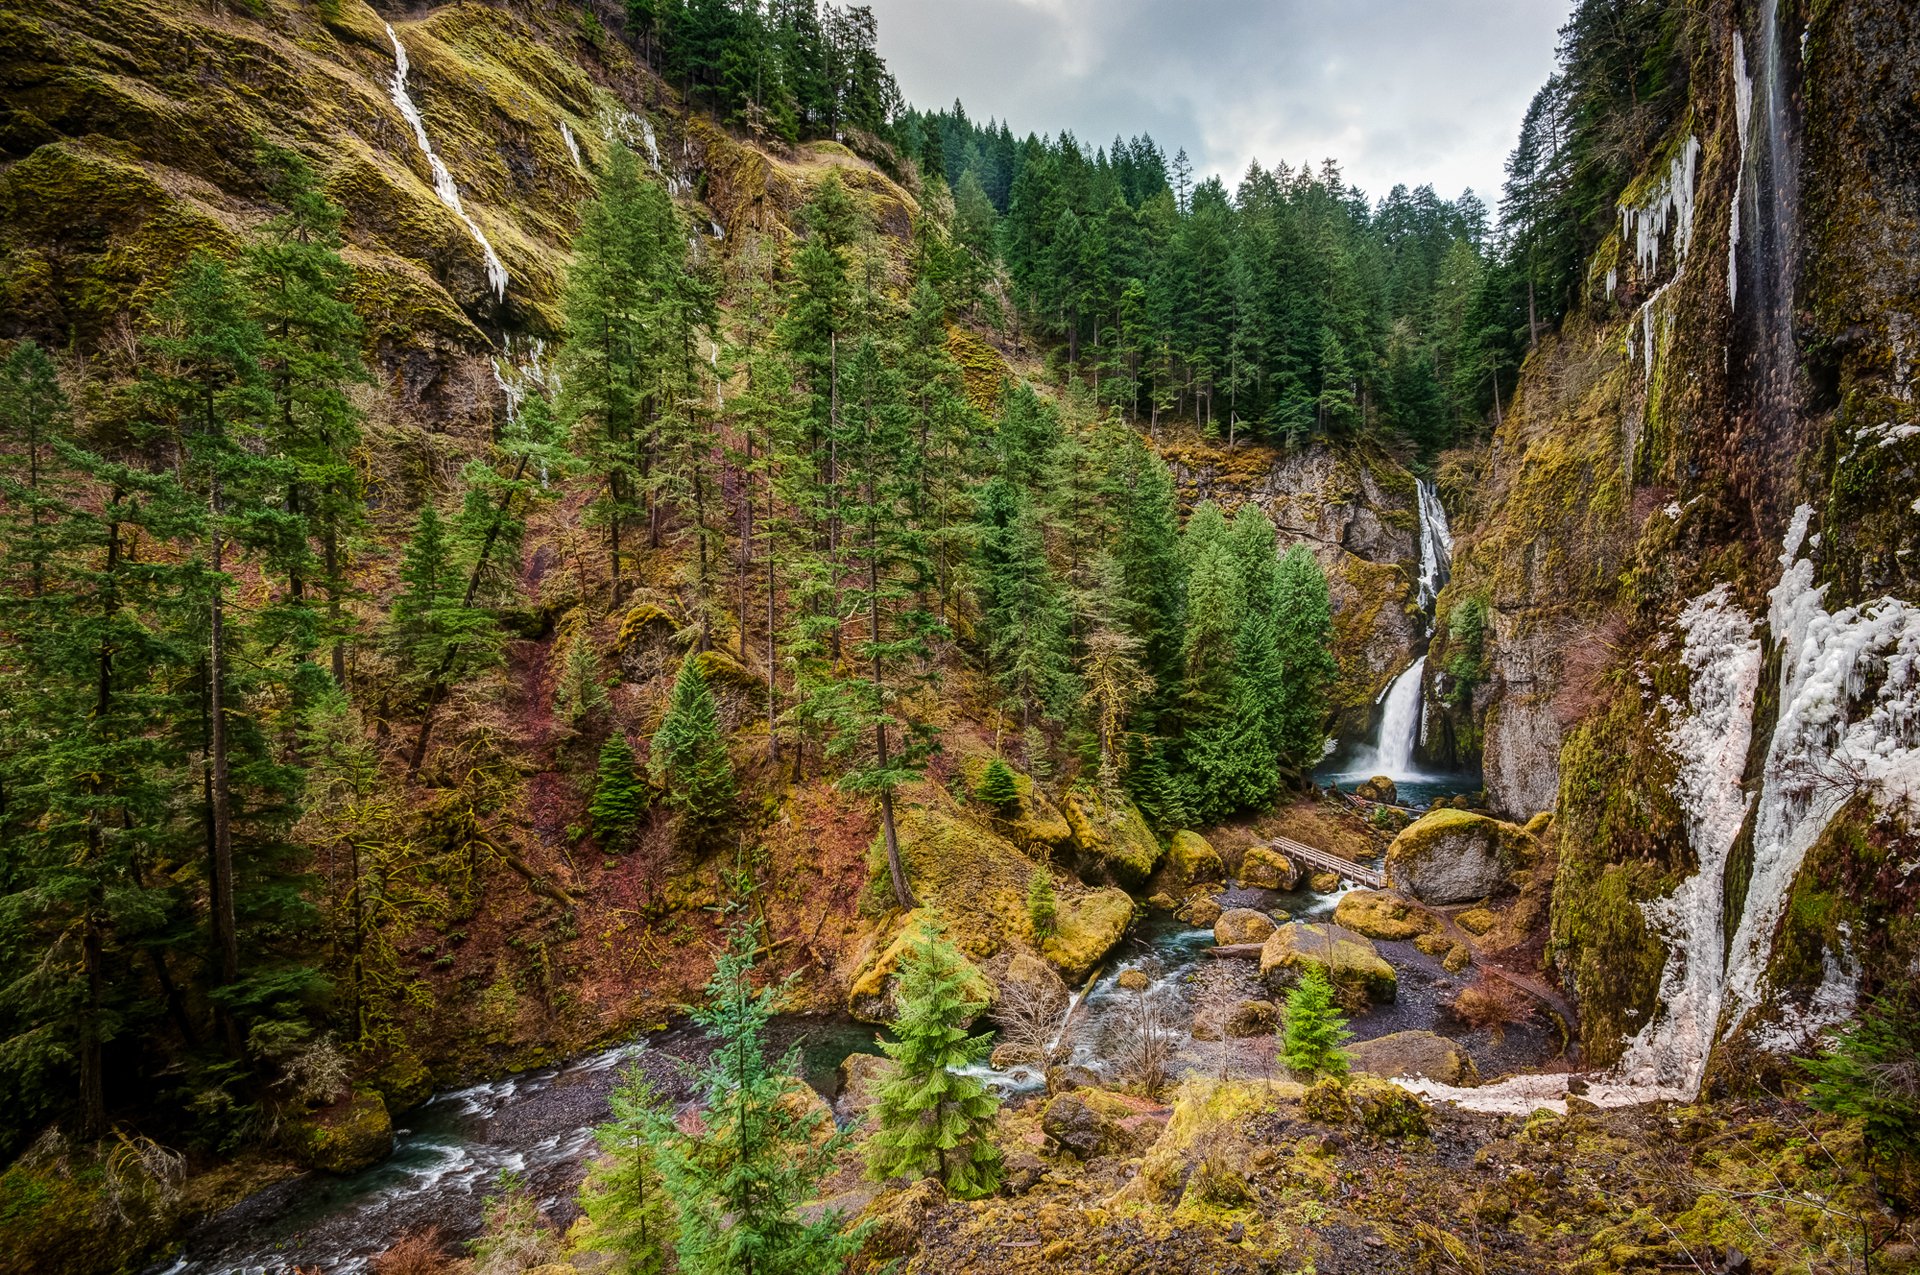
443	184
1400	724
1743	120
1436	545
573	145
1403	703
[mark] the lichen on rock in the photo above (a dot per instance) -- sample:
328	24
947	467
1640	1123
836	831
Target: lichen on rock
1455	856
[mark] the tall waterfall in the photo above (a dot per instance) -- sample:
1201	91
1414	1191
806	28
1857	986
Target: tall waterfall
1402	712
443	185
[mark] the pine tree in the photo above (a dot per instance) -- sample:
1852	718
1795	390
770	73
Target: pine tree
623	1196
934	1122
1043	907
689	763
1303	639
738	1184
1022	614
998	787
619	796
1315	1028
434	636
579	691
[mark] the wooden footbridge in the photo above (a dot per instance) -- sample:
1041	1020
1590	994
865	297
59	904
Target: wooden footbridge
1322	861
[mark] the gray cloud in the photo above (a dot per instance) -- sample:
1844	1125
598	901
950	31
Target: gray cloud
1395	90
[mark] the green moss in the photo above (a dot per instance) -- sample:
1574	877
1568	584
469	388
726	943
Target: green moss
1112	833
344	1138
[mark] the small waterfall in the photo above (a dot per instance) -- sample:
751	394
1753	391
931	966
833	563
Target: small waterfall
1436	546
442	180
573	146
1400	724
1402	712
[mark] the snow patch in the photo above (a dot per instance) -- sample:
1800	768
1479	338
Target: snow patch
1524	1095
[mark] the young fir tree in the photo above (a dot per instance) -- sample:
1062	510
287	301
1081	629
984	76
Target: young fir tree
623	1196
1043	905
433	635
1023	616
579	691
619	795
1315	1028
739	1183
934	1122
1303	639
998	788
689	761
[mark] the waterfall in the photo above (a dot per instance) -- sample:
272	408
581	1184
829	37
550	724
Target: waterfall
1400	724
1436	545
442	180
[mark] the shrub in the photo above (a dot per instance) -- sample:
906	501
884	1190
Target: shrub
1043	906
1315	1028
1492	1004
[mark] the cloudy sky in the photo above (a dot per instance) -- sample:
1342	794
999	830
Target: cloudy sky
1396	90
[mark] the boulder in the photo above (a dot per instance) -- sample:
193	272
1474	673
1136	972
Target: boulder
1457	959
1161	901
1265	868
1032	821
1086	1123
1253	1018
1134	980
1031	970
1433	944
1242	925
1380	914
1476	921
1414	1054
348	1136
1086	929
1324	882
1378	788
871	998
1452	856
1354	966
800	1101
1192	860
860	1076
1112	833
1201	913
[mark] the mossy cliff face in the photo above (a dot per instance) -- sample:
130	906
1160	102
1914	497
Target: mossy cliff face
1658	445
1357	509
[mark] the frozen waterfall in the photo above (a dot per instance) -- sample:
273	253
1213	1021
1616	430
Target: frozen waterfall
442	180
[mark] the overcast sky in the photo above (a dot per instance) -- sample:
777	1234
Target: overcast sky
1397	90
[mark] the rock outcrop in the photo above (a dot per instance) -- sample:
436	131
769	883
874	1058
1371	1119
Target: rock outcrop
1456	856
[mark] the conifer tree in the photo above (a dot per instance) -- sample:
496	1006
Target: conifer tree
738	1184
435	637
619	796
579	690
998	787
1043	906
623	1196
1303	639
933	1121
689	761
1315	1028
1022	615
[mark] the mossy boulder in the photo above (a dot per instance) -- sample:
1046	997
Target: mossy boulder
1252	1018
801	1102
1201	913
1112	834
1433	944
1454	856
1265	868
1192	860
351	1135
1031	821
403	1082
1324	882
1414	1054
1381	914
1086	1123
1378	788
1242	925
871	999
1353	964
1204	1158
1133	980
1477	921
1385	1110
1086	929
860	1076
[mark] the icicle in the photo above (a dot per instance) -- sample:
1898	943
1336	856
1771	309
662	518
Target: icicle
1670	201
1743	119
442	180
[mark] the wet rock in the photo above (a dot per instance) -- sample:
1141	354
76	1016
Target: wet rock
1086	929
1023	1172
351	1135
1201	913
1324	882
1162	902
1378	788
1451	856
1265	868
1071	1076
1074	1126
1381	914
1191	860
1135	980
1433	944
1242	925
1253	1018
1414	1054
1353	964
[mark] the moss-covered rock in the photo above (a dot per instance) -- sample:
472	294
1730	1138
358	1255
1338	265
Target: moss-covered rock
871	999
1211	1125
1086	1123
1381	914
1192	860
1201	913
1454	856
1033	821
1265	868
348	1136
1112	834
1324	882
1242	925
1477	921
1087	929
1415	1054
1353	964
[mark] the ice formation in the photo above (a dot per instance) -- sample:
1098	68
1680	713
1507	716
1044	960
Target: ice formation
442	180
1743	117
1668	203
573	146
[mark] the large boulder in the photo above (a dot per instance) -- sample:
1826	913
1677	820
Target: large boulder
1242	925
1414	1054
1201	913
351	1135
1093	1122
1086	929
1112	834
1353	965
1032	821
1378	788
1192	860
860	1076
1380	914
871	999
1253	1018
801	1103
1265	868
1454	856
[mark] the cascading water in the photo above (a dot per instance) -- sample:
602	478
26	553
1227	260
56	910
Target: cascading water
1400	723
1436	545
443	185
1402	707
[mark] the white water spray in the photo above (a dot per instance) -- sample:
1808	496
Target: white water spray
443	185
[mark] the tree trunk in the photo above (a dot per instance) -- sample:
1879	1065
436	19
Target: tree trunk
902	892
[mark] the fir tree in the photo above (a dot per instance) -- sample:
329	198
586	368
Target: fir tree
619	796
1315	1028
1043	906
689	761
622	1196
1303	639
579	691
934	1122
998	788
